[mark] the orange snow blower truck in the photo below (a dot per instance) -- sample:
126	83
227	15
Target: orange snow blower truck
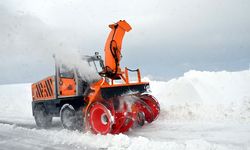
113	104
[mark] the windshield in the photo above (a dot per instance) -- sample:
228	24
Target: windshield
96	65
66	72
95	61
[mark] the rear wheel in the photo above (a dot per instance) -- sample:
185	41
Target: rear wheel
42	118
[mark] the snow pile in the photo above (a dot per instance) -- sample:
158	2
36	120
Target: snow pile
205	95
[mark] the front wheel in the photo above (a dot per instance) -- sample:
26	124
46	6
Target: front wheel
68	117
42	118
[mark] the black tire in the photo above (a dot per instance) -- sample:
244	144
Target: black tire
70	118
42	118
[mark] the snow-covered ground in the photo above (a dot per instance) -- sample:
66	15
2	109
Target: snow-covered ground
201	110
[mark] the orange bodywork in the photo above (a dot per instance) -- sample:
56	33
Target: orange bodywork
95	93
67	87
95	90
114	44
44	89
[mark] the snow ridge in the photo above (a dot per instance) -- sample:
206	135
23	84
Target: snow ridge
205	95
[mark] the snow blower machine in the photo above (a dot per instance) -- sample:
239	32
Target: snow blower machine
113	104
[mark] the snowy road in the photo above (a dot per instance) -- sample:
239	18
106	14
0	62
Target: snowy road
201	110
169	135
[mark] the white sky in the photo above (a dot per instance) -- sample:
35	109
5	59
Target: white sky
168	37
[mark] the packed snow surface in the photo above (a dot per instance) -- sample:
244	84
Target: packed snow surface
200	110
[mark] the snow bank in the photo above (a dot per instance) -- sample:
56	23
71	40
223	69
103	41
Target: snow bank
15	102
205	95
